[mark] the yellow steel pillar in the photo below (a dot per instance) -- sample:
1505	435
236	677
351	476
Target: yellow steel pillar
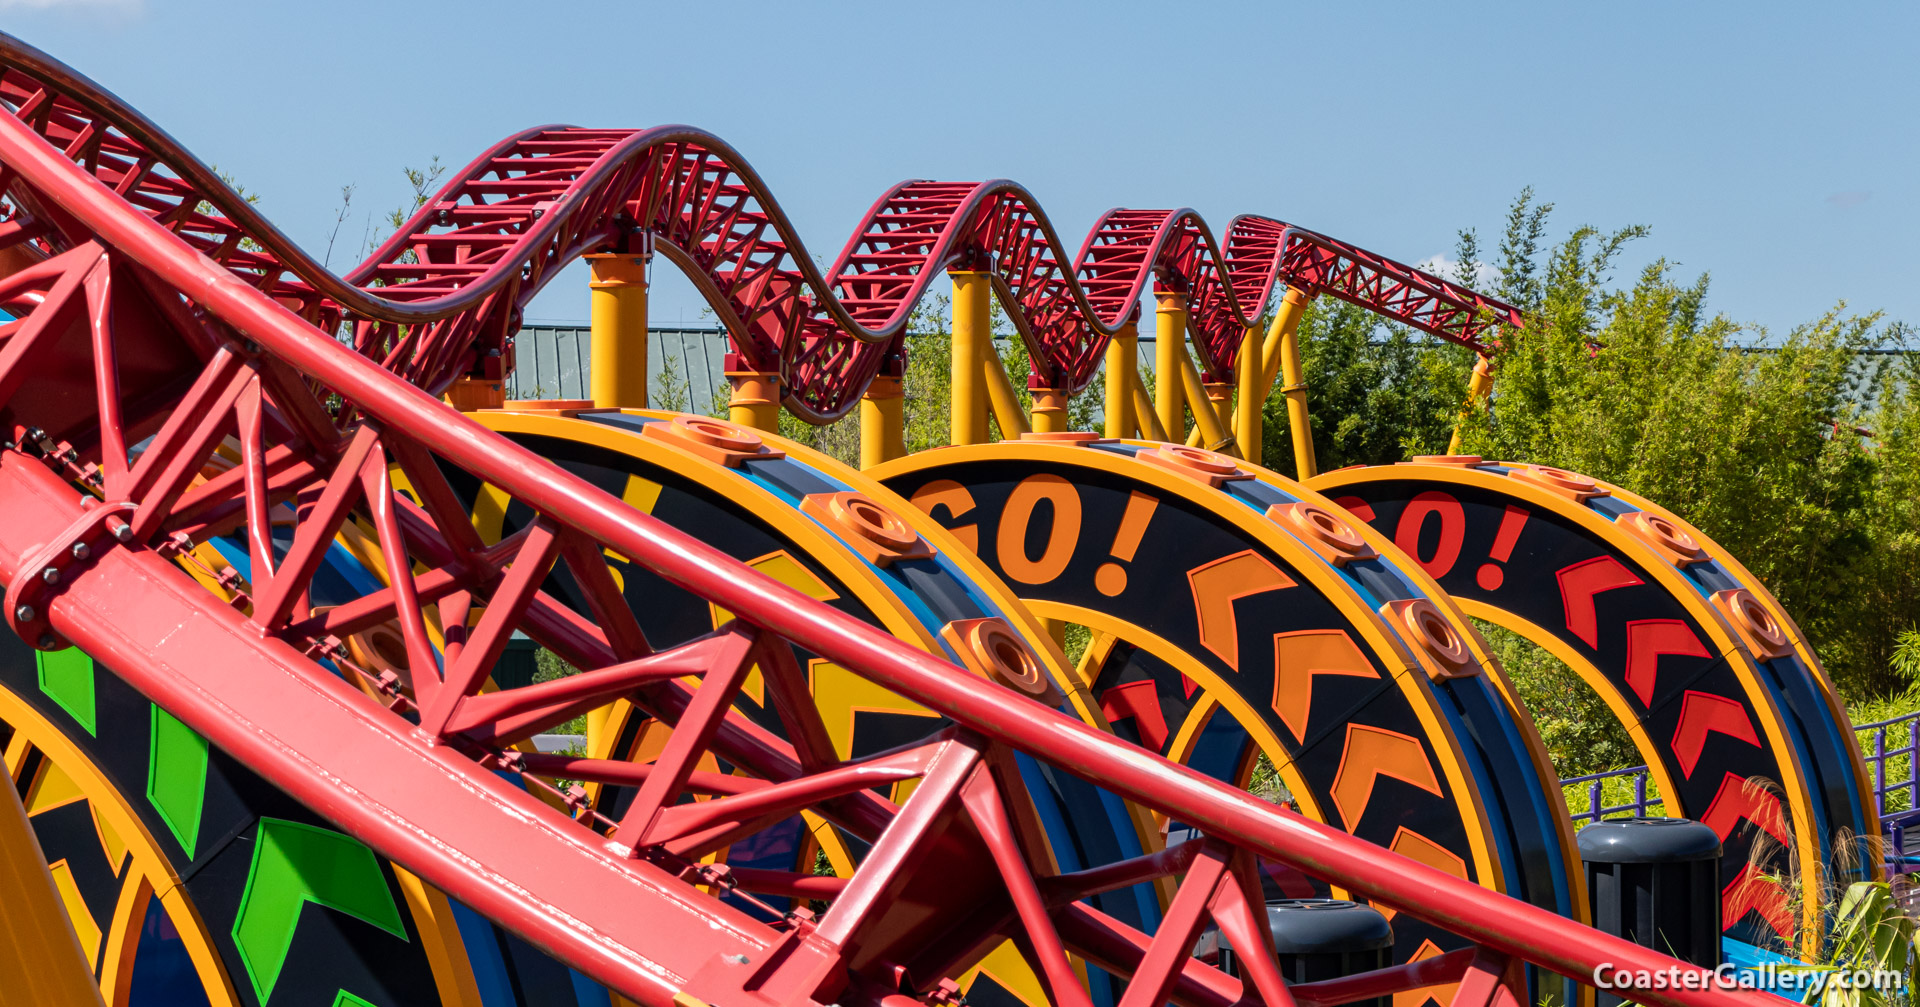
40	956
972	341
1122	351
1283	351
618	305
1000	394
1049	411
1477	389
882	422
1252	397
1220	396
1286	320
1170	350
756	400
1207	428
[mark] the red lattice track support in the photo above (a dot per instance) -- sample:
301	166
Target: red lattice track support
129	336
442	298
1261	251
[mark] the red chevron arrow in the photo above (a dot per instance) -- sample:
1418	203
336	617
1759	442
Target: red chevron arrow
1141	701
1737	799
1580	582
1753	891
1648	640
1703	713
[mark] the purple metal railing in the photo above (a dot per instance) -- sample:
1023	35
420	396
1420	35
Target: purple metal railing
1595	811
1878	755
1902	792
1904	789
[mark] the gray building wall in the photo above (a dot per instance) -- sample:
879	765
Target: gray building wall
555	362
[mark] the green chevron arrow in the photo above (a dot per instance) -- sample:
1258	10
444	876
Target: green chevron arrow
294	864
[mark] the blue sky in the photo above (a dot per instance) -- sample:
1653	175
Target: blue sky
1770	144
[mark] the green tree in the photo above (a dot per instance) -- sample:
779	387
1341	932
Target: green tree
1376	392
1749	436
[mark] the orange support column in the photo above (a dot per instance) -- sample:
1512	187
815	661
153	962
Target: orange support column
1478	388
972	341
1121	350
1249	409
1049	411
756	400
882	421
618	309
1169	352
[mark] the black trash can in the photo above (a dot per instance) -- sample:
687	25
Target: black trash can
1321	939
1655	882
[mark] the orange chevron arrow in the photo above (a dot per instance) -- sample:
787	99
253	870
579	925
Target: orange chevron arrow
1648	640
1413	845
1415	998
1736	800
1217	585
1373	752
1753	891
1299	657
1702	713
1580	582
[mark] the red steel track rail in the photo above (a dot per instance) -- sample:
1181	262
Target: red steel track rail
442	298
129	336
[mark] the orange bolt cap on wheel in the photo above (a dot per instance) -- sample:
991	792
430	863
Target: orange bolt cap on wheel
1432	637
1756	626
1668	539
1210	467
1065	437
719	441
1323	531
1571	485
876	533
1467	461
989	647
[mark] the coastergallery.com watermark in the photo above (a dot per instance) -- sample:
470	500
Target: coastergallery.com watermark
1770	977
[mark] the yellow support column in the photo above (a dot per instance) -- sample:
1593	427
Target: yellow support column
40	957
1220	395
1283	350
1143	411
1049	411
1005	401
756	400
972	341
1122	351
1252	397
882	422
1286	320
1478	387
1170	348
1206	422
618	352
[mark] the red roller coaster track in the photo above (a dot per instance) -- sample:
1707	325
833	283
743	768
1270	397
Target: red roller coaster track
127	332
442	297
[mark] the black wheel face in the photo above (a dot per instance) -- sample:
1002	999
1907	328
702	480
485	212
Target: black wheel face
1747	744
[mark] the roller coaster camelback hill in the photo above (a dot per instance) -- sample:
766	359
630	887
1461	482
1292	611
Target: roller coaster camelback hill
271	534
